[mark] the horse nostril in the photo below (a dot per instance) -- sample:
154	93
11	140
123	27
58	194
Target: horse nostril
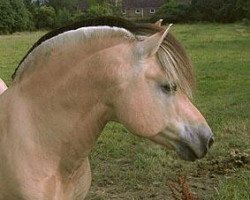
210	142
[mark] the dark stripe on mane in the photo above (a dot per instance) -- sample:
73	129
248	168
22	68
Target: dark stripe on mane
101	21
137	29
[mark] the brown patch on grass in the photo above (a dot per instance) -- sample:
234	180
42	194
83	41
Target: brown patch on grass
227	164
180	189
186	193
190	181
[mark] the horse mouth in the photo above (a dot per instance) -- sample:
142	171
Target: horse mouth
188	153
182	148
186	150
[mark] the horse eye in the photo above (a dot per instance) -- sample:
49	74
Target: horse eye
168	88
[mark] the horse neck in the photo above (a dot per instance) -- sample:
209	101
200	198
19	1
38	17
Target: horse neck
67	99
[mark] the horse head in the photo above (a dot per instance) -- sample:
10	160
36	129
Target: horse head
154	100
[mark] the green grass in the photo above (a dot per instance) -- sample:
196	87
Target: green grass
236	187
12	49
127	167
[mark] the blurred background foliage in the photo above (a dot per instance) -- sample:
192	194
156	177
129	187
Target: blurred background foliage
26	15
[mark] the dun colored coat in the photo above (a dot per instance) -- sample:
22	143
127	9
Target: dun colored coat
71	84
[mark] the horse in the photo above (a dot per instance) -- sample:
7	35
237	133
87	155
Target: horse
75	80
3	86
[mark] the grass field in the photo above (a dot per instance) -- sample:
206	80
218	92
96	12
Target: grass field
128	167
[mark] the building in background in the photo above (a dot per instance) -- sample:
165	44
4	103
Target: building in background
132	9
140	9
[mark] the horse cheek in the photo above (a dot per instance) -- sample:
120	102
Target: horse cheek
145	119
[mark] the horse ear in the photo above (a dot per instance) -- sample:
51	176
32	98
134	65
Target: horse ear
149	46
158	23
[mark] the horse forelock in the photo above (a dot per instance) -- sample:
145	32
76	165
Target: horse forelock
177	65
172	58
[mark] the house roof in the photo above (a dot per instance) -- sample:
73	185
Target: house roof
132	4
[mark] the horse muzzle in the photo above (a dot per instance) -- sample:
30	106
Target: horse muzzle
190	142
194	142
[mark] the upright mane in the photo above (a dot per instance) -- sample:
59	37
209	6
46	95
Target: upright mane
171	54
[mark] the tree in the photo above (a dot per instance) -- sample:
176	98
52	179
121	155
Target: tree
6	17
63	17
172	11
99	8
220	10
70	5
45	17
22	17
66	11
205	10
14	16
